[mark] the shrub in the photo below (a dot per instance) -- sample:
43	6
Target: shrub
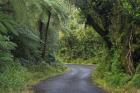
138	69
135	82
13	78
47	69
118	79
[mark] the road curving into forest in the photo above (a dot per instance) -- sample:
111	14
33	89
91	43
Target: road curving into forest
75	81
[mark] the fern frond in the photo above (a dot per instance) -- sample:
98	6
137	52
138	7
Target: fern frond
7	24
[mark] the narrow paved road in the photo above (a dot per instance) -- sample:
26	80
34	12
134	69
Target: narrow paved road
75	81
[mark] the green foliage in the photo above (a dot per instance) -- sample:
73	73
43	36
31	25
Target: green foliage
117	80
104	63
7	24
115	23
79	61
14	78
28	41
117	66
79	43
138	69
20	40
5	43
45	68
135	82
5	55
12	74
43	71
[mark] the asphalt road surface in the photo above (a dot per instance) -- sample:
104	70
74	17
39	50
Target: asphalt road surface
75	81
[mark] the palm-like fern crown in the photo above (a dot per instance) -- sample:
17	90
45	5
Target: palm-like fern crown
23	21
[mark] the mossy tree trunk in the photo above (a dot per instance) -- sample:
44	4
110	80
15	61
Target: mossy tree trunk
44	51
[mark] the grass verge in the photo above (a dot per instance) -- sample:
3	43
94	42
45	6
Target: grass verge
18	79
102	83
51	71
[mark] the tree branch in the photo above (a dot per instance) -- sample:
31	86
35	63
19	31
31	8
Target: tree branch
99	30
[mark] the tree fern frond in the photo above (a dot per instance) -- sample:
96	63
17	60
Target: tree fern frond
3	29
10	28
7	24
5	43
26	33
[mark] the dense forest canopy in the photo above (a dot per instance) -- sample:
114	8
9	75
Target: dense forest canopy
117	22
38	36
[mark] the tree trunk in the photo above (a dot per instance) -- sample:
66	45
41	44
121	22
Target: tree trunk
46	35
130	64
42	28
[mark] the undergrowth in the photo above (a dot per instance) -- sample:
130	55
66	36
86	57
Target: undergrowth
111	76
80	61
18	79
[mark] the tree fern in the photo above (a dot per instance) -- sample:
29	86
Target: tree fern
7	24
